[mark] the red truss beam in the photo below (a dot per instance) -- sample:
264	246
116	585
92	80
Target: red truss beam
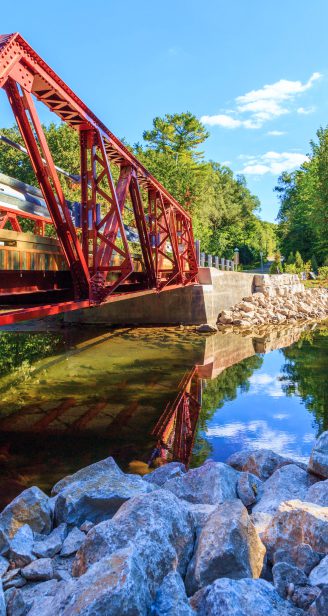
165	233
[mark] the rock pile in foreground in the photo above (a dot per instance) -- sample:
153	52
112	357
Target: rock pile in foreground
244	538
260	308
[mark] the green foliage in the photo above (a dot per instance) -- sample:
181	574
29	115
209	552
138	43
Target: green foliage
179	135
223	210
303	213
314	264
299	264
290	268
323	272
291	259
305	373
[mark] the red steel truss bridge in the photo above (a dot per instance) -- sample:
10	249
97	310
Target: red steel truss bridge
98	258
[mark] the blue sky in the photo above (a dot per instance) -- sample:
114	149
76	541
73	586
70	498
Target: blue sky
256	72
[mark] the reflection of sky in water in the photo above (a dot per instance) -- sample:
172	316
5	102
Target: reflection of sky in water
263	417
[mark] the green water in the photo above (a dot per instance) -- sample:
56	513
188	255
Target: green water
74	396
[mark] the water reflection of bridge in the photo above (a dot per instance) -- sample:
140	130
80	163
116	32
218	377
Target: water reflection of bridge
121	394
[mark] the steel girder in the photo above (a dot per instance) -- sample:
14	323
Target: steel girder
165	232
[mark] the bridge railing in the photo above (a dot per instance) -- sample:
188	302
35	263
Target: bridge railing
208	260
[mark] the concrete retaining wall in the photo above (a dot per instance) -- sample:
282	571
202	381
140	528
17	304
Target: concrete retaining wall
192	305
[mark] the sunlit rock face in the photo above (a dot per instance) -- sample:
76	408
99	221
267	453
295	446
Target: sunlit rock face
95	493
297	522
159	526
228	546
211	484
31	507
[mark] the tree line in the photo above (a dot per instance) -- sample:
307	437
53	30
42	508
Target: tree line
303	213
225	213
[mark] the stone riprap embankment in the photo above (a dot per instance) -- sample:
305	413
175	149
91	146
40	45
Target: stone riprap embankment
244	538
277	299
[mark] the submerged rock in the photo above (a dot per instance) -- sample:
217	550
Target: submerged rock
260	462
95	493
297	522
285	483
159	526
245	597
168	471
318	462
31	507
228	546
116	585
171	598
211	484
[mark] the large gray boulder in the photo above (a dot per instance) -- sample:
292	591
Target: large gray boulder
21	600
245	597
48	546
318	493
21	547
320	606
95	493
116	585
260	462
2	602
158	525
39	571
318	462
297	522
200	514
168	471
249	488
301	556
30	507
228	546
285	483
319	575
73	542
285	574
211	484
171	598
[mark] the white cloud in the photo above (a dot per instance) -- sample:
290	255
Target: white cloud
226	163
276	133
306	110
273	162
262	105
221	120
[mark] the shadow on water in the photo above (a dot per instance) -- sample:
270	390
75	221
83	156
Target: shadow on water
144	396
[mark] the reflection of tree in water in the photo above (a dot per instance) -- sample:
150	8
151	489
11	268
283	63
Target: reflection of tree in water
18	349
216	393
305	373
